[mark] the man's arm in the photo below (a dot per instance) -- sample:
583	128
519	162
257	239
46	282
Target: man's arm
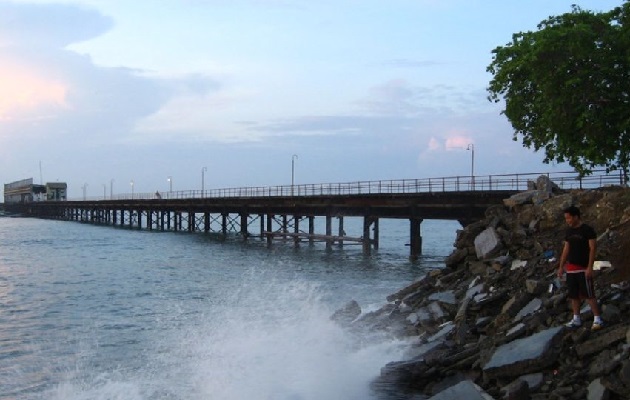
563	259
592	249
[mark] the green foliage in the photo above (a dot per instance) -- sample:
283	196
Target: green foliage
566	88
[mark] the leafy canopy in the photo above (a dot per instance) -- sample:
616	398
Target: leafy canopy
566	88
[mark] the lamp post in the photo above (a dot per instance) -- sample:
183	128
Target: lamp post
104	191
293	158
203	180
111	189
471	147
84	187
170	183
131	183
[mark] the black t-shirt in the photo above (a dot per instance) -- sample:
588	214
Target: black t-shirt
578	244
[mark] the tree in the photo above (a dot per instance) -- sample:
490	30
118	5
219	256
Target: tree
566	88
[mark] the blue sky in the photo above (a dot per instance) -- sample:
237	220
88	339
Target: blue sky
103	92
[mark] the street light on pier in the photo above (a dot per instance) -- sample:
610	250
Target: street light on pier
104	191
170	183
293	158
111	189
471	147
203	180
84	187
131	183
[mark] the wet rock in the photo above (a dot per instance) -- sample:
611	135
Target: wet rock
430	315
446	383
347	313
444	297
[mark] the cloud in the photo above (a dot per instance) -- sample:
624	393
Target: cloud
458	141
395	97
48	25
434	144
24	90
54	94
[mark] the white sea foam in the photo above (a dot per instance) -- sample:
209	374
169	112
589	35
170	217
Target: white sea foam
268	339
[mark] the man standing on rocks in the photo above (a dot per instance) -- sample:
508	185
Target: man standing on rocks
578	256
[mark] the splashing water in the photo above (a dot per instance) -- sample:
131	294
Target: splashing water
269	340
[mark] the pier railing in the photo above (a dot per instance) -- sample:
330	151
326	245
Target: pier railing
516	182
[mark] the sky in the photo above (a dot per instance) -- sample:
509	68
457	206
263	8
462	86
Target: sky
231	93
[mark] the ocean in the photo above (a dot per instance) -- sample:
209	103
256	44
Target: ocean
97	312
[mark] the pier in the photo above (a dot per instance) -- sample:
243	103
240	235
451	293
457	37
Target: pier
289	212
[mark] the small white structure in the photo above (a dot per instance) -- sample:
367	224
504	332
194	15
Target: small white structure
25	191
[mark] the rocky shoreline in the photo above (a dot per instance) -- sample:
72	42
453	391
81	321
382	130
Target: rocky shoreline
491	324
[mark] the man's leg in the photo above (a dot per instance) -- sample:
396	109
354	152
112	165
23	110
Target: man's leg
594	306
575	306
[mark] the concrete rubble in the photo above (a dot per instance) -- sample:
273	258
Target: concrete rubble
490	325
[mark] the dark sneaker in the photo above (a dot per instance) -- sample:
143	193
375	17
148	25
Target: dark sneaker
597	325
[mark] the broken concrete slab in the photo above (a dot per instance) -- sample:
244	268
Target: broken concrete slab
445	297
520	198
534	381
597	391
430	315
524	355
516	264
463	390
530	308
445	329
486	243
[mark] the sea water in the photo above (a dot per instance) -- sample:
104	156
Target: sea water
96	312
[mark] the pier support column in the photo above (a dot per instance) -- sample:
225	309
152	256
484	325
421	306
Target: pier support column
269	229
262	225
367	243
285	227
341	232
328	232
415	238
296	230
311	230
206	222
244	232
192	221
224	218
376	234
